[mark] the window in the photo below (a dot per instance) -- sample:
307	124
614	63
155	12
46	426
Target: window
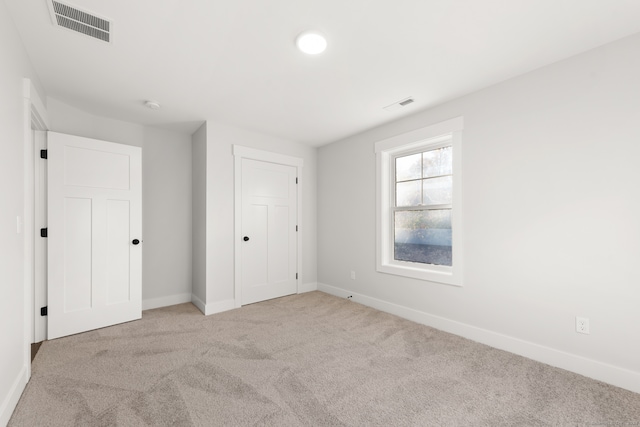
422	211
419	204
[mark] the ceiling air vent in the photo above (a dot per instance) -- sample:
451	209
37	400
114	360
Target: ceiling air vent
399	104
80	21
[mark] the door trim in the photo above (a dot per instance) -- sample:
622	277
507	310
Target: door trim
40	255
34	118
239	153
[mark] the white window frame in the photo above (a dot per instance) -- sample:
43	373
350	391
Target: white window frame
387	150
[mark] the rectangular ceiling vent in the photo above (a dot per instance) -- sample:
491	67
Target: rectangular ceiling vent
399	104
80	21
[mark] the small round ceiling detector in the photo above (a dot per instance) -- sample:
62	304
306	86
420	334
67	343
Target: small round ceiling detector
152	105
311	42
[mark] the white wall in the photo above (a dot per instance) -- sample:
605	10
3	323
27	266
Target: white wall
166	203
71	120
14	368
166	197
220	208
551	208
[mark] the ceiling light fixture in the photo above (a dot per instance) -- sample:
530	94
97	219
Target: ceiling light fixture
152	105
311	42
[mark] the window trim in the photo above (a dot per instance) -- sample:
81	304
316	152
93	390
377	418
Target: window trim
387	150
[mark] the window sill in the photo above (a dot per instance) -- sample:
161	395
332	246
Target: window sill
443	275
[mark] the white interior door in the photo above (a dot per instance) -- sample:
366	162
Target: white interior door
269	241
94	234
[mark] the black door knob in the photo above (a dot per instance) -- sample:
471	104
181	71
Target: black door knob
135	241
245	238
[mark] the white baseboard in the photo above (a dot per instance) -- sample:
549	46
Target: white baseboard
220	306
11	400
213	308
600	371
199	303
307	287
148	304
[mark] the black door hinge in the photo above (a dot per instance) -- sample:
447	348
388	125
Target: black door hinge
43	311
44	232
43	154
296	228
296	276
296	179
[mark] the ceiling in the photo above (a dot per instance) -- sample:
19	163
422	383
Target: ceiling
235	61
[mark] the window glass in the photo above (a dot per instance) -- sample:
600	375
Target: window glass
437	191
409	193
409	167
423	236
423	181
437	162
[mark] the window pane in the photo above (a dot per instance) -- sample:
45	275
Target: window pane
409	193
437	162
437	191
409	167
423	236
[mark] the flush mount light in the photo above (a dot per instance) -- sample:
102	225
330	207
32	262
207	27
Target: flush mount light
152	105
311	42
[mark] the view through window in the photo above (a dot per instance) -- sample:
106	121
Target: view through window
422	208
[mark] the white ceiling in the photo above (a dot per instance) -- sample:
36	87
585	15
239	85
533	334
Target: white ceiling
235	61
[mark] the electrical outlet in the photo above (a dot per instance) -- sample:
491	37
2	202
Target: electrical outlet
582	325
353	275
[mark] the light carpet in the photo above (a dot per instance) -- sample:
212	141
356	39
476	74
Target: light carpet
310	359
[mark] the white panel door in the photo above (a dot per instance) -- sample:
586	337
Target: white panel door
94	234
269	241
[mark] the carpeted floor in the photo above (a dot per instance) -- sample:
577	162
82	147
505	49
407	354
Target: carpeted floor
310	359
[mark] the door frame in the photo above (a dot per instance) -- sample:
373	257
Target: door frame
40	255
239	153
35	118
